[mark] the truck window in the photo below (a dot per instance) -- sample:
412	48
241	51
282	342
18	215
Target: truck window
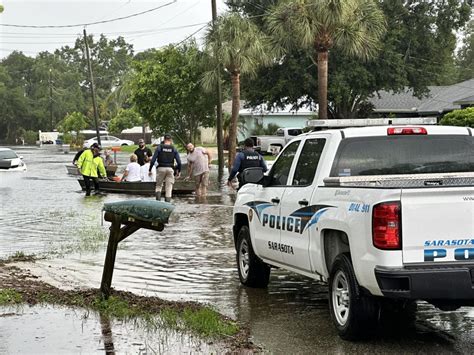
294	132
281	168
280	133
308	162
396	155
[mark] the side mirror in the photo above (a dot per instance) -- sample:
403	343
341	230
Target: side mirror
252	176
21	157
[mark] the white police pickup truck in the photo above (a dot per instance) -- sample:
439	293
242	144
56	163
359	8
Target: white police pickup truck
384	214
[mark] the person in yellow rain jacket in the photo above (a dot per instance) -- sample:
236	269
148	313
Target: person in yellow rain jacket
91	165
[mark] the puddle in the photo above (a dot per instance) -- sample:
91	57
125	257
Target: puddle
60	330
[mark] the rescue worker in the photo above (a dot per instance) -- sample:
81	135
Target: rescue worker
247	158
165	154
91	166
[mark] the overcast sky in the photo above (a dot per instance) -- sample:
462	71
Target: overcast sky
150	30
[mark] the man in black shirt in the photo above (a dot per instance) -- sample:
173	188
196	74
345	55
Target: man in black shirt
141	151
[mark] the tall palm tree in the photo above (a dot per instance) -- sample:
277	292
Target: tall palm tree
236	44
354	26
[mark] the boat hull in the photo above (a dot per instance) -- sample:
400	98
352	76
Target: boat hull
139	188
73	170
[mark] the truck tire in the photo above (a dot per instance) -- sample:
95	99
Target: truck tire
354	315
253	272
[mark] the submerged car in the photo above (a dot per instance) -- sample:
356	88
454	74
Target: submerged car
10	161
108	141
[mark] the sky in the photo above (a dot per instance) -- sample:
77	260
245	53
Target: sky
172	23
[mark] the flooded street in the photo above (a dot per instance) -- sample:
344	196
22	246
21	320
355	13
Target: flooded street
44	213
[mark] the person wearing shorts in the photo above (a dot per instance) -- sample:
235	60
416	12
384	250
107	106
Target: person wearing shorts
199	161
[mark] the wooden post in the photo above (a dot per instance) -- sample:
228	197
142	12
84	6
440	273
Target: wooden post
117	234
110	257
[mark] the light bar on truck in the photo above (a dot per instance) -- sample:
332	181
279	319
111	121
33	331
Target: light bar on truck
402	131
367	122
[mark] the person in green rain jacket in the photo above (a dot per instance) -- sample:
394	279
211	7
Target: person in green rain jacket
91	166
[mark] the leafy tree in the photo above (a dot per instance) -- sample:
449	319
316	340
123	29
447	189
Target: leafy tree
166	91
466	54
14	106
354	26
74	122
417	51
127	118
240	47
463	118
110	58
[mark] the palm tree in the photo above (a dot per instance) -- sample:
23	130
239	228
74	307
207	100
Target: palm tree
237	44
354	26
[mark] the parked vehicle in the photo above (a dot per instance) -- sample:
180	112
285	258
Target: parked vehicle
108	141
274	144
10	161
384	215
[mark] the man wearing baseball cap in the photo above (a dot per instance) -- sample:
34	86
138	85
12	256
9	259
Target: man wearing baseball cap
141	151
91	164
165	154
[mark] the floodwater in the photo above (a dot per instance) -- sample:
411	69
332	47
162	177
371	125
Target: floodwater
62	330
43	212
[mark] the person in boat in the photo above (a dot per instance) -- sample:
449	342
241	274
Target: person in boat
199	161
247	158
132	171
144	171
108	160
165	154
142	151
91	166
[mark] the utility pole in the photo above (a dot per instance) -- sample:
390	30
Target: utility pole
94	103
220	139
51	101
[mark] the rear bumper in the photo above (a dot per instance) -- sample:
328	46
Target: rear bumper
454	283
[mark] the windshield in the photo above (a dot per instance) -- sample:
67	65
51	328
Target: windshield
396	155
7	154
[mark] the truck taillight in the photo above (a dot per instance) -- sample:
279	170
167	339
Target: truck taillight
386	226
393	131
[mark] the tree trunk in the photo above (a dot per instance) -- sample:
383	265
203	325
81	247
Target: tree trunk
323	85
234	118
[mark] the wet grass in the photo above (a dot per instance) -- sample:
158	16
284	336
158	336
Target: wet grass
9	296
201	321
20	256
152	313
208	322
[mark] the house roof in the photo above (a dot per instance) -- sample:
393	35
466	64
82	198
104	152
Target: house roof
439	99
465	101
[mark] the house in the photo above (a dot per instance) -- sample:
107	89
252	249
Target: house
439	101
260	116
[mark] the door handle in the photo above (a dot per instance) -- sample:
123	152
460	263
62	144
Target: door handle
275	200
303	202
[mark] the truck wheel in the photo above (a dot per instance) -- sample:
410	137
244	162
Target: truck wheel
253	272
354	314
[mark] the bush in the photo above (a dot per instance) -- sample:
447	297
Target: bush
463	118
31	137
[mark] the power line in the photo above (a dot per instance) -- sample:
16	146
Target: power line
92	23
